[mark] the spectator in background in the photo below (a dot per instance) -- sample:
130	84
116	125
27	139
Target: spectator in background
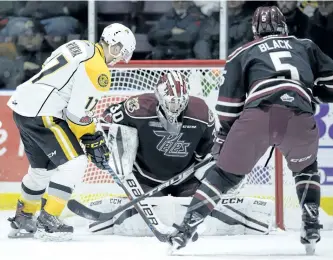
239	25
207	44
25	27
239	31
11	73
321	27
208	7
23	57
308	7
175	33
31	49
57	17
297	21
10	24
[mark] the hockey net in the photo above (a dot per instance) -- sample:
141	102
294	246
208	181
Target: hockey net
204	77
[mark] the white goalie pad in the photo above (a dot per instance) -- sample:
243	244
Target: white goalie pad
130	143
232	216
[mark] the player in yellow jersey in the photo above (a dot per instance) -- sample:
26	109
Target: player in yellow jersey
53	113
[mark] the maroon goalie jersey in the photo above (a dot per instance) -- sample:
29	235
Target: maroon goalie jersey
275	70
160	155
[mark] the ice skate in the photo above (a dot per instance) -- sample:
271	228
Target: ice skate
310	231
23	225
185	232
51	228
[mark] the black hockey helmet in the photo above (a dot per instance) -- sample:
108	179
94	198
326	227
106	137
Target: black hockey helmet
268	20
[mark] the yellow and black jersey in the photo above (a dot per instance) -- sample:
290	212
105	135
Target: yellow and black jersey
68	87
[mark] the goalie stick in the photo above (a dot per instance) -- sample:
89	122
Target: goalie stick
132	188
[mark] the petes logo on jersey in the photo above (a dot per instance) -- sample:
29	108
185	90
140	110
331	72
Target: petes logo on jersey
171	145
132	104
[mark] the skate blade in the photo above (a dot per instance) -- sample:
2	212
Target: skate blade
311	247
17	233
53	237
172	248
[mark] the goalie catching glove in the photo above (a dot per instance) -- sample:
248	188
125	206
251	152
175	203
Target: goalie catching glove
96	149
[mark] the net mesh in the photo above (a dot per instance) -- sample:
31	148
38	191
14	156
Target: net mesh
203	82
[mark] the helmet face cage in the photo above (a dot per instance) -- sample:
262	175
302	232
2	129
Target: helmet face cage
120	34
173	97
124	54
268	21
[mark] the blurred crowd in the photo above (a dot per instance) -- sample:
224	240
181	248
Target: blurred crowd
31	30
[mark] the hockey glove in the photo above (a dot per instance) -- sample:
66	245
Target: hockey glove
218	143
96	149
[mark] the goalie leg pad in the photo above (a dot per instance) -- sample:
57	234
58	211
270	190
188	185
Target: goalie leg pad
241	215
308	184
130	144
129	222
232	216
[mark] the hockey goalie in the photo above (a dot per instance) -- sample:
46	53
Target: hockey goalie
164	133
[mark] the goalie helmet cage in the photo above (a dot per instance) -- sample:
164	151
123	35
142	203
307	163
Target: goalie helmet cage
204	77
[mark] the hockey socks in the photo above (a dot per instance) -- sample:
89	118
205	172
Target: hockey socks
205	199
216	183
308	185
54	205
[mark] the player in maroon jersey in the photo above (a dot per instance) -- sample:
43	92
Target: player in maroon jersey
267	99
174	128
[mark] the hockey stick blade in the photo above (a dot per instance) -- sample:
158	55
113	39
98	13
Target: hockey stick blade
88	213
82	211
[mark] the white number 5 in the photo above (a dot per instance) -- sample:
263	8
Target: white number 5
279	66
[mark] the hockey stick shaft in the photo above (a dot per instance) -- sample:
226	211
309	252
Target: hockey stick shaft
154	223
83	211
160	236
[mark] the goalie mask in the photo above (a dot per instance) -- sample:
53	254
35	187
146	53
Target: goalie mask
172	94
268	20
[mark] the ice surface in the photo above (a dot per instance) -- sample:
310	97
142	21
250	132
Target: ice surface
281	245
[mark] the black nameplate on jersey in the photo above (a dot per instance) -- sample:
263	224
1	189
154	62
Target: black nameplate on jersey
74	49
